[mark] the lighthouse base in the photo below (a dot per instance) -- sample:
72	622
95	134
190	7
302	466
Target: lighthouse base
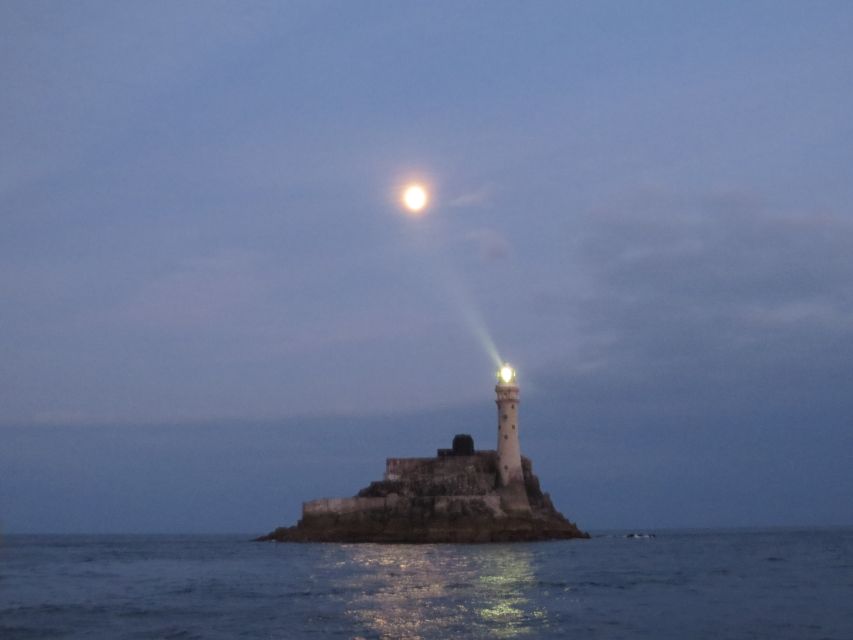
449	498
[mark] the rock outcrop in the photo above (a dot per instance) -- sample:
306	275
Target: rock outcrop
454	497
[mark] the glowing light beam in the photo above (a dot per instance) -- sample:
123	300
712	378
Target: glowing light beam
414	196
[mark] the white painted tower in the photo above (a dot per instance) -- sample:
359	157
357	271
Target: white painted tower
509	452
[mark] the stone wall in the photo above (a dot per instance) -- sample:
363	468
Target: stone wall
440	476
336	506
410	468
396	468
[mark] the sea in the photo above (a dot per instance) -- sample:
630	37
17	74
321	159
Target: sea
778	584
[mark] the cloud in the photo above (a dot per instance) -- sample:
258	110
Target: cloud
709	304
718	257
474	198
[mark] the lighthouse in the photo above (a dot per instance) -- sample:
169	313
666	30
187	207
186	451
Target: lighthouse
459	496
509	452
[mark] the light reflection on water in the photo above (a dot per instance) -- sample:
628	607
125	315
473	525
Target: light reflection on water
506	581
410	591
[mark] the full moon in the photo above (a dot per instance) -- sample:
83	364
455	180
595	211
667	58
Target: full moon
415	198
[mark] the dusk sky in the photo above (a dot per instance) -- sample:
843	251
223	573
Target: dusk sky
213	307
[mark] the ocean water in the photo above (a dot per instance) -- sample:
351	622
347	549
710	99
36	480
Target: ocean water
777	584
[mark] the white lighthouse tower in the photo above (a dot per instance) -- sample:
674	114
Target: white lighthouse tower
509	452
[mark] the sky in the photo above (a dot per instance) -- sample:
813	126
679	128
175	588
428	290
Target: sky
213	307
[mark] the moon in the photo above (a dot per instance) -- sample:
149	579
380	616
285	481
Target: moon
415	198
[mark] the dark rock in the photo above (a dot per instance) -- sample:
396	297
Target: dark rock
450	498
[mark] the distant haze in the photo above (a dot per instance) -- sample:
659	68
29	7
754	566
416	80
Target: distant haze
212	307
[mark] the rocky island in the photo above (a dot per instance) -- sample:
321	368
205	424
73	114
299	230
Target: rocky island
453	497
461	495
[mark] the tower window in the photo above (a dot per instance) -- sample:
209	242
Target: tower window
513	427
505	416
506	468
513	406
505	436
